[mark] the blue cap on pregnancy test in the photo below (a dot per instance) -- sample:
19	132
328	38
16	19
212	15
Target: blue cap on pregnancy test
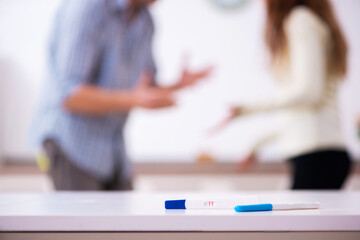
175	204
254	208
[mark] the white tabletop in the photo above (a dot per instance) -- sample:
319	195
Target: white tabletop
131	211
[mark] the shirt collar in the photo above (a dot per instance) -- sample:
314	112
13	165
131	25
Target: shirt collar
121	5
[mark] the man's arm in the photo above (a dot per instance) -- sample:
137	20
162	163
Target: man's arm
94	100
88	99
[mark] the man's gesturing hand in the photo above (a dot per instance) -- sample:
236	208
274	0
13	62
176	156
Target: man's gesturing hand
147	96
190	78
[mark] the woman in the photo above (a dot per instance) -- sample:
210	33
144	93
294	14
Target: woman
308	53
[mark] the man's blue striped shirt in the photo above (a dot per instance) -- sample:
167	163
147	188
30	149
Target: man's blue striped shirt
92	42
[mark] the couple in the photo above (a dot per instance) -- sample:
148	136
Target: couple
101	66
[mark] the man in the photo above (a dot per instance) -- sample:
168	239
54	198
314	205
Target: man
100	67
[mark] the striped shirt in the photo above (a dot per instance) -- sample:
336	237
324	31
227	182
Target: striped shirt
93	42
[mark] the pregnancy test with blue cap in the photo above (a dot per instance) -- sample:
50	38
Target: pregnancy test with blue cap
277	206
226	203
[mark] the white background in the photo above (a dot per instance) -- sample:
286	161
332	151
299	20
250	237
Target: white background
230	40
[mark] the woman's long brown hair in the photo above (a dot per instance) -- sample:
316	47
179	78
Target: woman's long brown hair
278	10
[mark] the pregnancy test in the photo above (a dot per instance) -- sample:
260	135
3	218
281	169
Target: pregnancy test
277	206
228	203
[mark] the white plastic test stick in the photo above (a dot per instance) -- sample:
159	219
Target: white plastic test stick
211	203
296	205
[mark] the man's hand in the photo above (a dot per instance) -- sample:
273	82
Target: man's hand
147	96
189	78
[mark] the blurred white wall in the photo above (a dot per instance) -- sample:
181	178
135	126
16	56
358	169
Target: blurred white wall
231	40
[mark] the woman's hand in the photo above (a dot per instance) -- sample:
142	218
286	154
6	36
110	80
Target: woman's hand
247	163
233	113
